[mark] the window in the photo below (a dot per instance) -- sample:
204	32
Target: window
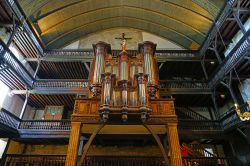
4	91
2	147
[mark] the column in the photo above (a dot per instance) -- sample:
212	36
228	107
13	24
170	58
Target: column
73	144
173	141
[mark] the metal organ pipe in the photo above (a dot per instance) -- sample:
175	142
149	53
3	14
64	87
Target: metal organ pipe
101	50
149	70
116	94
124	70
107	80
147	49
142	81
124	79
133	94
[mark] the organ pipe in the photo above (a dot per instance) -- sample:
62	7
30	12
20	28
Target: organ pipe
101	50
147	49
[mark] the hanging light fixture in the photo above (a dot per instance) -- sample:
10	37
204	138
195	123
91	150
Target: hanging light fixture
245	115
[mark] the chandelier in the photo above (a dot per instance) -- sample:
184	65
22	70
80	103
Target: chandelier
246	114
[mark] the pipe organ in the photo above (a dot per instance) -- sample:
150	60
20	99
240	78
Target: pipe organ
124	83
123	91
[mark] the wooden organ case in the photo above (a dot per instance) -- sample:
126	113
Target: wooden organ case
124	90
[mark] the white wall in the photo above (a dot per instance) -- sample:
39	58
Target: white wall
3	144
109	36
14	104
4	36
245	89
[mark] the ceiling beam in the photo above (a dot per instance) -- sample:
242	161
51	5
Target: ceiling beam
20	15
222	16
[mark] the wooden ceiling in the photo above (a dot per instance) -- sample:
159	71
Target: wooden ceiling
58	23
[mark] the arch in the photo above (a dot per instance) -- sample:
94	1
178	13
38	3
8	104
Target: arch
135	23
47	7
56	18
131	11
148	128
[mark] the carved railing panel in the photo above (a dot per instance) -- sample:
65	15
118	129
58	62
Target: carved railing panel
162	107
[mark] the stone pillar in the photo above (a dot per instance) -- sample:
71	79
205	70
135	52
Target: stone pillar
73	144
174	146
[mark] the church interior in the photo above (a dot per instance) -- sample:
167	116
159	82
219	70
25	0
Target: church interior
125	82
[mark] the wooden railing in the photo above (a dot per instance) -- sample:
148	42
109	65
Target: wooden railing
207	161
199	150
229	120
15	66
188	112
123	161
164	84
9	119
59	125
59	160
234	57
65	124
61	84
191	124
188	84
45	160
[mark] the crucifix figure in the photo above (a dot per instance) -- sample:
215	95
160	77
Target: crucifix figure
123	38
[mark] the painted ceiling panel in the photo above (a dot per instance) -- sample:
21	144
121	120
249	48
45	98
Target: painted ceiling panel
185	22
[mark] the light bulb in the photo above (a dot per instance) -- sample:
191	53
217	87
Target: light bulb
236	105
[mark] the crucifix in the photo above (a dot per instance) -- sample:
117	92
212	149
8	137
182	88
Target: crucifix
123	38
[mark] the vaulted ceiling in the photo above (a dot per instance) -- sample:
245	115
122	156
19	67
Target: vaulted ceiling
184	22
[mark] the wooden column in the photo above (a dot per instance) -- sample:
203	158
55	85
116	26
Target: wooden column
73	144
174	146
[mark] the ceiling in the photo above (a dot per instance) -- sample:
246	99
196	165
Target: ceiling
184	22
